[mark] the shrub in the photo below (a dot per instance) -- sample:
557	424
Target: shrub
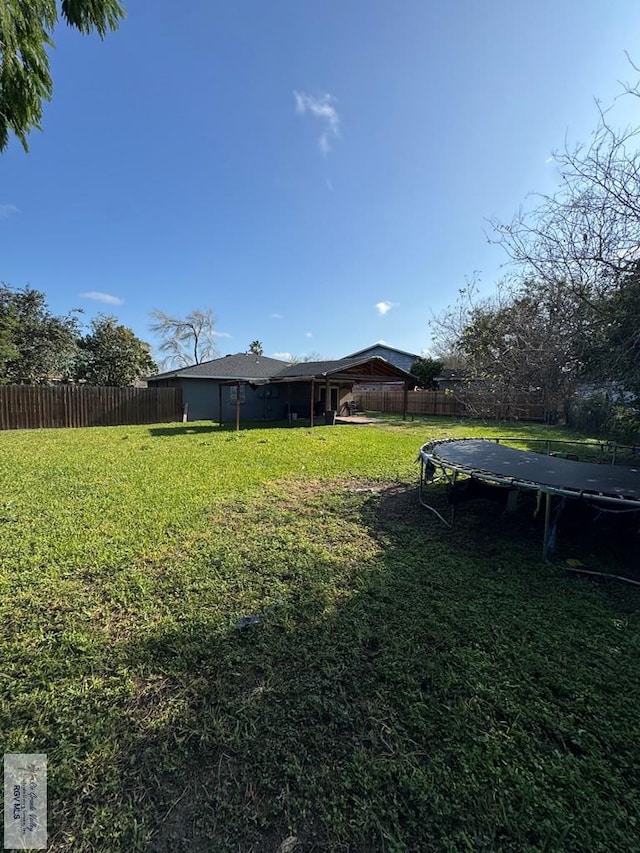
615	418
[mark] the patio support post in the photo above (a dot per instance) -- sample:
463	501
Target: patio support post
405	401
313	388
220	403
238	407
327	395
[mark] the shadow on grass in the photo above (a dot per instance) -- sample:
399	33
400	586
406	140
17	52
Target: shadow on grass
199	428
442	699
187	429
419	689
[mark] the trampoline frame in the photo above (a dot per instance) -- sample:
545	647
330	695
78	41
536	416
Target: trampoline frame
433	470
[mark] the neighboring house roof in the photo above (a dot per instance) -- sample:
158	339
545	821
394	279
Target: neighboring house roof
381	346
239	366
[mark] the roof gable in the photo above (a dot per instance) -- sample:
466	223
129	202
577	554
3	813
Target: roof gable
379	346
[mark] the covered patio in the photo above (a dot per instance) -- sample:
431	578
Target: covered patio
319	390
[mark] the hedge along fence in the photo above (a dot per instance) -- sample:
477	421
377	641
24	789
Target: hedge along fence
40	406
526	407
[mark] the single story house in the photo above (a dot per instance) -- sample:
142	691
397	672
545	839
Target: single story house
211	389
260	388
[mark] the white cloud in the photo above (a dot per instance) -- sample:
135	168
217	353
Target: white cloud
322	108
549	159
221	335
7	210
285	356
308	334
277	316
98	296
384	307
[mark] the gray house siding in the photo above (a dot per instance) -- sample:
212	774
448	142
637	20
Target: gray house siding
203	396
266	402
201	399
402	360
269	403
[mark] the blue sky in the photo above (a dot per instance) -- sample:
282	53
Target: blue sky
317	173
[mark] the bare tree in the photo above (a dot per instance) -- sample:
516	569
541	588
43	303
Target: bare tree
588	232
306	357
527	337
185	340
448	326
585	238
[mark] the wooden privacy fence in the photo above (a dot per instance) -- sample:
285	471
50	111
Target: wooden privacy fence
38	406
526	407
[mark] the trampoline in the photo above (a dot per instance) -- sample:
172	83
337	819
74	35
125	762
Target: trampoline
493	461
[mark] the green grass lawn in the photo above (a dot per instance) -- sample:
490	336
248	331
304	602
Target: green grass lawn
409	687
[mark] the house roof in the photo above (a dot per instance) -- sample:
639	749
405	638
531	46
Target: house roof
243	367
315	368
381	346
239	366
372	368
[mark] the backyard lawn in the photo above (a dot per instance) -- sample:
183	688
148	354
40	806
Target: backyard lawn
407	688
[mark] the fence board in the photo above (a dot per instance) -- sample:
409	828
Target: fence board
36	406
441	403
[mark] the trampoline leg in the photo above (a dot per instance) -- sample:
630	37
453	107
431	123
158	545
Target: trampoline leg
453	505
423	483
547	519
512	502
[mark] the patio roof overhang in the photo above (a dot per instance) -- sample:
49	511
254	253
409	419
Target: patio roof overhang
373	369
341	377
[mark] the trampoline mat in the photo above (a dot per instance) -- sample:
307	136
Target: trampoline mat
482	456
